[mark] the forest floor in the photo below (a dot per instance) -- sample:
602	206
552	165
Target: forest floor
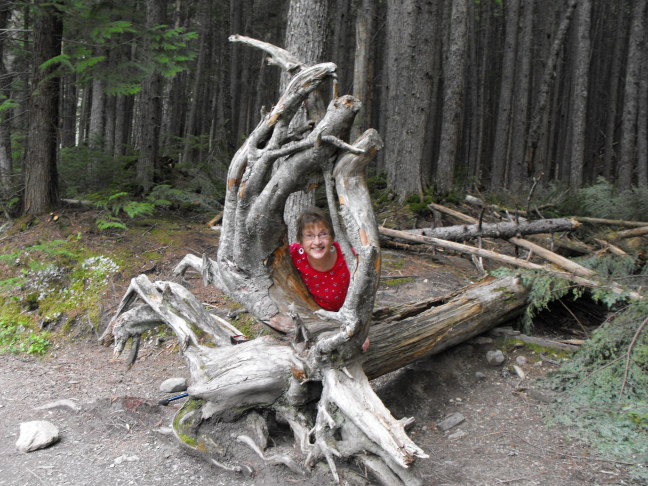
120	435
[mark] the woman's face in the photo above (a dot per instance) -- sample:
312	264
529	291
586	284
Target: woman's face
316	240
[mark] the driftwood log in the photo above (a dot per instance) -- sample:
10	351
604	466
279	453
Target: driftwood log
310	374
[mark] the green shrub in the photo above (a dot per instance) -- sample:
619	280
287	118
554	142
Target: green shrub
602	200
591	404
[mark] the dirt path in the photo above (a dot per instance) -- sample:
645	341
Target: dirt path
121	436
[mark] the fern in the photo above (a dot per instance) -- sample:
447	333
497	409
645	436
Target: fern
117	204
109	222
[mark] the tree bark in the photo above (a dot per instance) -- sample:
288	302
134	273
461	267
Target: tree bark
6	161
306	39
581	93
518	176
409	104
539	118
609	155
150	104
363	64
636	46
642	126
504	230
454	78
41	177
503	122
96	130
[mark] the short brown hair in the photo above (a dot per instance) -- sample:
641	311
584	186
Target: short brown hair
311	216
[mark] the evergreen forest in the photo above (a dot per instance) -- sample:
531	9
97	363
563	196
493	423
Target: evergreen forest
520	126
150	97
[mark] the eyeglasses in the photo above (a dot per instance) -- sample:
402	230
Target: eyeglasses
322	236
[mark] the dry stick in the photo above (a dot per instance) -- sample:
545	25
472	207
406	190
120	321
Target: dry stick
615	250
581	275
627	366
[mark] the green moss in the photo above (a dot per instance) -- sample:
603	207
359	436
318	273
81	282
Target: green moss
391	262
511	343
395	282
249	326
52	283
186	425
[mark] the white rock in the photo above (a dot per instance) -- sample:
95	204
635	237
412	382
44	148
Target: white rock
36	435
495	358
173	385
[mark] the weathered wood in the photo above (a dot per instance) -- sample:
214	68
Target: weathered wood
471	250
631	233
414	334
570	266
460	248
611	222
475	201
504	230
562	262
311	373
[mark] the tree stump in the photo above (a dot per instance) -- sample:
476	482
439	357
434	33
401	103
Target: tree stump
311	373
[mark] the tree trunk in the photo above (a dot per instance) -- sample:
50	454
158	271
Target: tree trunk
150	105
363	64
504	230
454	78
41	178
636	46
642	127
518	176
69	111
540	113
306	39
6	162
580	96
411	79
609	158
96	130
503	123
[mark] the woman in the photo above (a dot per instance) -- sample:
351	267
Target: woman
319	260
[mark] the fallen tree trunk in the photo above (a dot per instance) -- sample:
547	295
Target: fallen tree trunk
504	230
411	332
571	246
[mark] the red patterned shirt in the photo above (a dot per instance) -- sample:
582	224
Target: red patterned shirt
329	289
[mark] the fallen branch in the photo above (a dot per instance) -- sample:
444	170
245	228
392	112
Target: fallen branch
458	247
631	233
504	230
611	222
